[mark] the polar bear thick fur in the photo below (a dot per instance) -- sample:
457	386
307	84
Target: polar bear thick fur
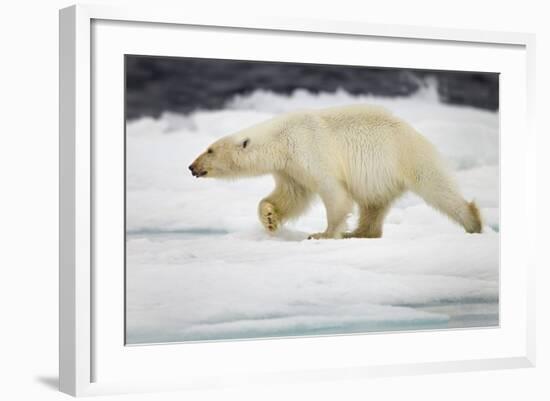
354	154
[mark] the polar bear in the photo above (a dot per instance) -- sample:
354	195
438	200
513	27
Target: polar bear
352	154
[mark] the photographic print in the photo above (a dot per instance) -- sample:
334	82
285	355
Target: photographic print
274	199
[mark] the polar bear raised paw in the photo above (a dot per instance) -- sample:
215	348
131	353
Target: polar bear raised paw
269	217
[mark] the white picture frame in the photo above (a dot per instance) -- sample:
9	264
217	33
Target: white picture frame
85	350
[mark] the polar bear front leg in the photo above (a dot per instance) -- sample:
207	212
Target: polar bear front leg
288	200
338	204
268	216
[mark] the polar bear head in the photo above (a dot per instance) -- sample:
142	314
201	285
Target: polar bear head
257	150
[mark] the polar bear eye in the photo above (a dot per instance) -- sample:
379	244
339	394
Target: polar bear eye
210	151
245	143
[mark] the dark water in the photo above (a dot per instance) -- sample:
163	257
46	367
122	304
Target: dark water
158	84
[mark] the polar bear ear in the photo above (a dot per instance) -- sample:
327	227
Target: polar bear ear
244	143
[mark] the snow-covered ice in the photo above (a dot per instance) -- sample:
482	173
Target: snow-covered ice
200	266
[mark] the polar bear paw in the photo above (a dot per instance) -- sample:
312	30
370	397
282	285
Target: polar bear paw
269	217
325	235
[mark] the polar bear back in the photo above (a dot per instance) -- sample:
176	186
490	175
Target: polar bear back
372	152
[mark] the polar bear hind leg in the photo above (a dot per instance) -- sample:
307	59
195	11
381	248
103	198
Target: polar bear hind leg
440	192
371	221
288	200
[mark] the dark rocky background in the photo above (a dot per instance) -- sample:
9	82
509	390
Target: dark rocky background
158	84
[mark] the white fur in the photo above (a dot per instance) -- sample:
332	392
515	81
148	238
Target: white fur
359	153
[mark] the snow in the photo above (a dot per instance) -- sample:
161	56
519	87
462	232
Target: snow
200	266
